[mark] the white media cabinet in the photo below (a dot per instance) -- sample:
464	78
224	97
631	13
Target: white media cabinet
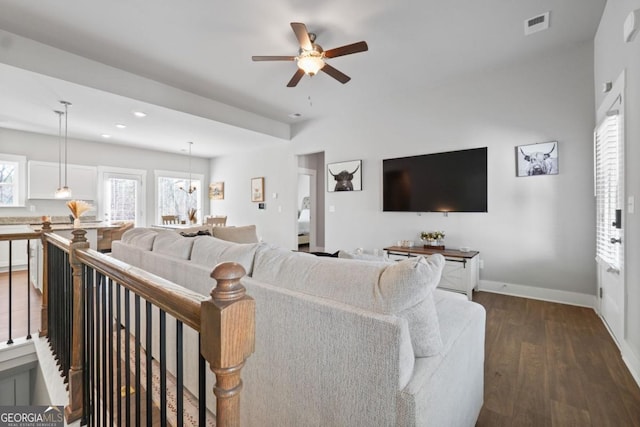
460	272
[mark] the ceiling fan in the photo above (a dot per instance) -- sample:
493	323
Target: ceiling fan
311	57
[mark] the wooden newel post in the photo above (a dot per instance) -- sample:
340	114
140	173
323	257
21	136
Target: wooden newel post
73	411
44	309
227	338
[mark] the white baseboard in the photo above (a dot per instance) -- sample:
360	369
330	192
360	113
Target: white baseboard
632	361
545	294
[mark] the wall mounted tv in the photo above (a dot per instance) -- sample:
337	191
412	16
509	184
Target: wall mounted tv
455	181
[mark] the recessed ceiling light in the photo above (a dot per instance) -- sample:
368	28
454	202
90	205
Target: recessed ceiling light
139	114
106	135
120	126
295	115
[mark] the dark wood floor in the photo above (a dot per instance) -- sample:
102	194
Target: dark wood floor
550	364
546	364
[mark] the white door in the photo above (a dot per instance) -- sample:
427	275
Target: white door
122	195
609	183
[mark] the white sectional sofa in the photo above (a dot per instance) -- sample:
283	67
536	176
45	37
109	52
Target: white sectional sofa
338	342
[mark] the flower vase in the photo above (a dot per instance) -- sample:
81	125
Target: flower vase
76	223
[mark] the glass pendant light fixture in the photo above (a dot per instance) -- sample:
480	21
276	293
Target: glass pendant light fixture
192	188
63	192
59	190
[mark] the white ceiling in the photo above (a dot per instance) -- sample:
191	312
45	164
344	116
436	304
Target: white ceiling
188	64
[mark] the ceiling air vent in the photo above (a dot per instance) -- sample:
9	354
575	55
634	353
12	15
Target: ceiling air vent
537	23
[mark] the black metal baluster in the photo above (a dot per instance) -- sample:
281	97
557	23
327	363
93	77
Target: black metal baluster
179	378
163	368
111	395
10	341
28	289
118	355
105	361
127	352
149	362
137	358
98	402
89	346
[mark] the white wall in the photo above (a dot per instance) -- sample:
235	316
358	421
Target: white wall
612	55
538	231
45	148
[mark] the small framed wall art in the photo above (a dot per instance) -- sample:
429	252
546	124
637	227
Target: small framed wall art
216	191
344	176
537	159
257	189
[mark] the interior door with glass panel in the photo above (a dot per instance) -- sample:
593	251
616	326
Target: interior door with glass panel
609	186
123	197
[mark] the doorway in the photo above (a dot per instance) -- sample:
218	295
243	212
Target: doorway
310	203
122	195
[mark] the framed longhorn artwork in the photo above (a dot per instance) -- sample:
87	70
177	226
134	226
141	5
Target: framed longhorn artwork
344	176
537	159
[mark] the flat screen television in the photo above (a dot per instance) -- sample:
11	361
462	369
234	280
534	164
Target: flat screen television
454	181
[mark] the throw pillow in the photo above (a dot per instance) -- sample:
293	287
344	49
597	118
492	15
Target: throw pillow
244	234
406	288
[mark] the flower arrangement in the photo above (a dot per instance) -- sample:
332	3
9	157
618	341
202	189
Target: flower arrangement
432	235
78	207
192	215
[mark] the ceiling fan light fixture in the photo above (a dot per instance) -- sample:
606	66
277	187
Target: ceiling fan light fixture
310	62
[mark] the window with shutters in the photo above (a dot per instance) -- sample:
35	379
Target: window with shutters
608	187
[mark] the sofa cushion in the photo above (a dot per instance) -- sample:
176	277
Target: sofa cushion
209	251
172	244
407	289
142	238
404	290
244	234
362	256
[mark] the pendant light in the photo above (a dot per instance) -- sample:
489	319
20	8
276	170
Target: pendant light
59	190
192	188
63	192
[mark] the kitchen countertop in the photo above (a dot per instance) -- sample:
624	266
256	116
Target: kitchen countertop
89	225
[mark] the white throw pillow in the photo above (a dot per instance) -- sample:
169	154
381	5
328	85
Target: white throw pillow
407	288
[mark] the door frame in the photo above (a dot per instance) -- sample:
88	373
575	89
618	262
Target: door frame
313	183
141	174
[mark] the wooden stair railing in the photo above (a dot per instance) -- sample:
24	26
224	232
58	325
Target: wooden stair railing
225	321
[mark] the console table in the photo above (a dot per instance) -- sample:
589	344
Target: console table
460	271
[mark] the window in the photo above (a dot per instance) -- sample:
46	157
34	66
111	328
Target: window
608	186
12	180
173	197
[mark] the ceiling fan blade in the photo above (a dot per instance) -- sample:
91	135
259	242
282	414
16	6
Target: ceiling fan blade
302	34
273	58
338	75
296	78
347	50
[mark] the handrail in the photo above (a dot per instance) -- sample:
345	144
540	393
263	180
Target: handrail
21	236
225	320
176	300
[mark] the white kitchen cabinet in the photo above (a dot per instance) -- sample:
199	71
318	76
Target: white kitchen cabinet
44	179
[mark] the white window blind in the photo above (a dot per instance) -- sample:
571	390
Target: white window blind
608	169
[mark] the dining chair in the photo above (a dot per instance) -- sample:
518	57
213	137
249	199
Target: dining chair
170	219
217	221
